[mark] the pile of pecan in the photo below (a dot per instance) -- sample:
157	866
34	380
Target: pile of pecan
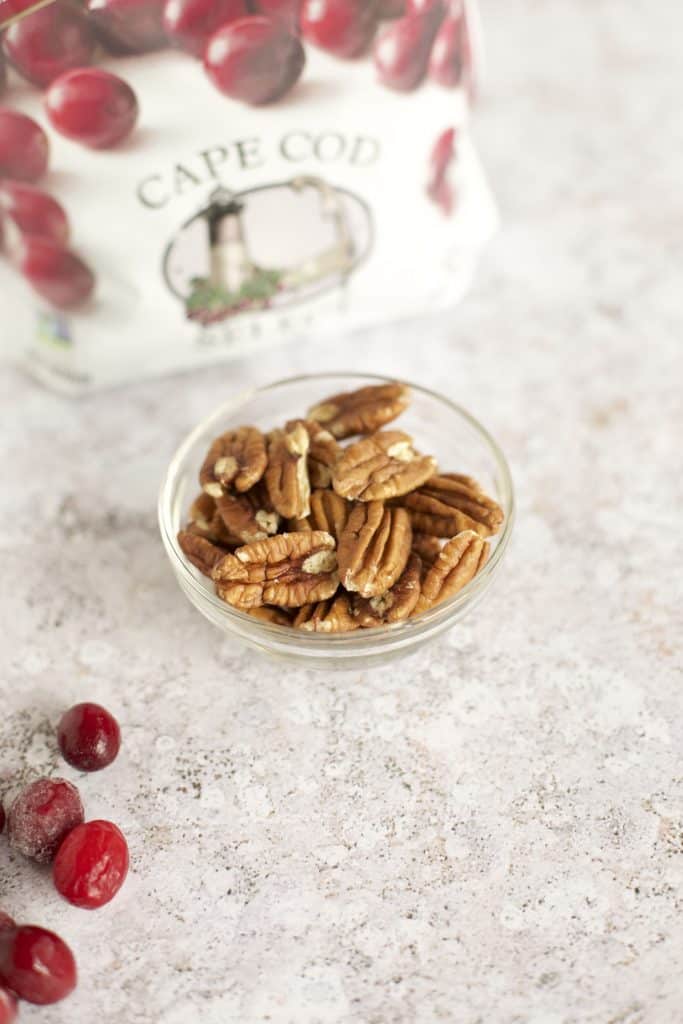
298	530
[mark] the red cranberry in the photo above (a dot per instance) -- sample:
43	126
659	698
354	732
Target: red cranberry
43	813
129	26
344	27
92	106
254	60
439	188
284	11
89	737
23	147
8	1006
6	921
32	212
189	23
43	45
57	274
36	964
446	63
91	865
402	51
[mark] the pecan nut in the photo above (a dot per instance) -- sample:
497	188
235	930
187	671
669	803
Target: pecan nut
329	512
363	411
374	548
427	547
250	516
289	570
287	473
458	563
201	552
236	459
323	453
450	503
382	466
272	616
331	616
205	520
395	604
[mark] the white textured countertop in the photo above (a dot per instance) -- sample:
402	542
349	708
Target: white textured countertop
491	831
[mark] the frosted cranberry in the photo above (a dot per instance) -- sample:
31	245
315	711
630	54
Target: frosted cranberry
189	23
92	106
41	816
254	60
6	921
343	27
129	26
23	147
402	51
8	1006
57	274
89	737
32	212
43	45
91	865
36	964
439	188
284	11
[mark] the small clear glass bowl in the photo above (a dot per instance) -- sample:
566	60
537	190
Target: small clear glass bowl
439	427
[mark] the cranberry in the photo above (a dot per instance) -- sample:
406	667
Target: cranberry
43	813
23	147
254	60
284	11
6	921
446	63
344	27
89	737
32	212
129	26
189	23
402	51
57	274
36	964
91	865
92	106
439	188
8	1006
44	44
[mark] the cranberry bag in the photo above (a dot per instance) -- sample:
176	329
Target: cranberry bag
233	175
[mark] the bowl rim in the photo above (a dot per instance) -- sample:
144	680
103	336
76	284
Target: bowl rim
400	633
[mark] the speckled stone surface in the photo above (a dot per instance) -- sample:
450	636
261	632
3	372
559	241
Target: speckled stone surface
491	831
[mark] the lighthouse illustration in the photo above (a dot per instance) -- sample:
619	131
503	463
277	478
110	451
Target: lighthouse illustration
270	246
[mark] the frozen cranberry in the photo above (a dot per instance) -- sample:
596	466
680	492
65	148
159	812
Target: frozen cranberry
32	212
439	188
254	60
344	27
446	62
189	23
23	147
284	11
129	26
36	964
89	737
43	813
43	45
91	865
92	106
57	274
402	51
8	1006
6	921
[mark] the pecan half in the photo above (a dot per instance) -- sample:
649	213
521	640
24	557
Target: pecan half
250	516
395	604
201	552
323	453
235	459
459	562
270	615
290	570
331	616
329	512
427	547
287	474
362	411
382	466
374	548
205	520
449	503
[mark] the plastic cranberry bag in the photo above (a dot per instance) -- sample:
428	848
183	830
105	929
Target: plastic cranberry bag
271	170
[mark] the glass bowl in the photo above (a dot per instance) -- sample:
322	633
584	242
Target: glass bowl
439	427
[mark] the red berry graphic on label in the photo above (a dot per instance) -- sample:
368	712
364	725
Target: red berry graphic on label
190	23
23	147
129	26
254	60
344	27
59	275
32	212
44	44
